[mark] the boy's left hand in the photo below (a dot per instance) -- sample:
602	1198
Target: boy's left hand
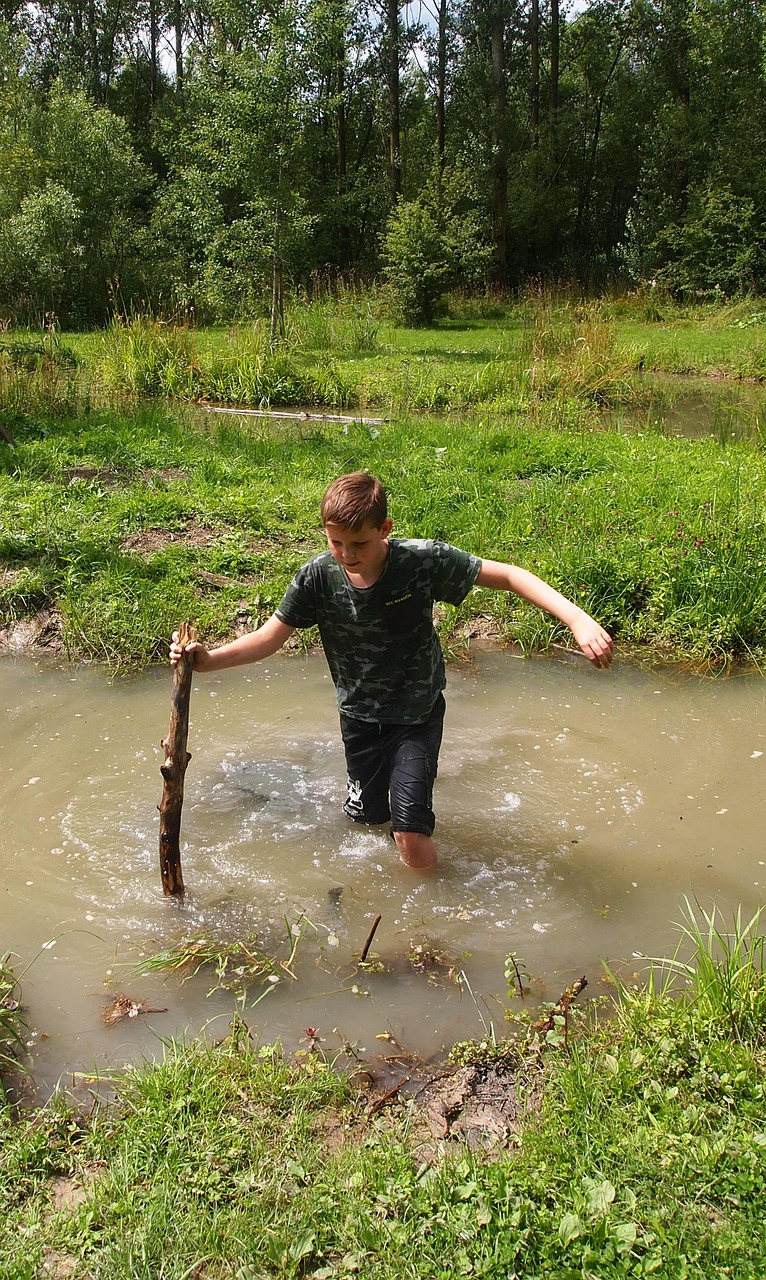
595	642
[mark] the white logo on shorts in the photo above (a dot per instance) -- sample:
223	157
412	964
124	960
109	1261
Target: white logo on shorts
354	800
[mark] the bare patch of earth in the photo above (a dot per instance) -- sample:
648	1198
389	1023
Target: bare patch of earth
108	476
66	1197
148	541
44	630
482	1106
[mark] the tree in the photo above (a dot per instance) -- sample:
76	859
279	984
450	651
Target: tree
434	243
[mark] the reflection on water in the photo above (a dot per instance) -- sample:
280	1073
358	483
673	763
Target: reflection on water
576	808
694	408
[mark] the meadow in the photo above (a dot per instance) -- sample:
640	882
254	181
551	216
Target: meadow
126	508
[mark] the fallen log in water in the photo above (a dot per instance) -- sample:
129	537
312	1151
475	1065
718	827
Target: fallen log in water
173	771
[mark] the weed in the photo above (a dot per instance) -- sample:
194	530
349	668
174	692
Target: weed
722	976
237	965
11	1038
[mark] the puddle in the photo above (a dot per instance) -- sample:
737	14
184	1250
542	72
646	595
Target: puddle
576	809
694	408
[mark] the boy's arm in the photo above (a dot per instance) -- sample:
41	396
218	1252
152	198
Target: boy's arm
595	642
250	648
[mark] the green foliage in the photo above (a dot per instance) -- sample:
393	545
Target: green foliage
69	190
432	244
721	972
11	1024
719	248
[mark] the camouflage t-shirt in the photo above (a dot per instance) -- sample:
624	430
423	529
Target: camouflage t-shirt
383	652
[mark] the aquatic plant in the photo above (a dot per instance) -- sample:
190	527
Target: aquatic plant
236	965
11	1038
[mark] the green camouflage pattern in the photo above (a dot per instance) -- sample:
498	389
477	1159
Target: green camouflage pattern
383	652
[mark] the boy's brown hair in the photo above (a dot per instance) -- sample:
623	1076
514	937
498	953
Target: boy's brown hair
355	500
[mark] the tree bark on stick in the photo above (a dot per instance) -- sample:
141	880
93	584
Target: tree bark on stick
173	771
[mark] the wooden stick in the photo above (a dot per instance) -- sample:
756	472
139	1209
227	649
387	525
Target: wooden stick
370	937
381	1102
297	417
173	771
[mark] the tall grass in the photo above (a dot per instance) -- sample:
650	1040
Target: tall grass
149	358
38	375
146	357
575	355
543	354
338	325
719	972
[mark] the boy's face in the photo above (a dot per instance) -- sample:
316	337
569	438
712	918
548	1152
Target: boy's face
359	550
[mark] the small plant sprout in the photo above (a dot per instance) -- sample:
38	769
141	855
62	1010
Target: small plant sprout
515	976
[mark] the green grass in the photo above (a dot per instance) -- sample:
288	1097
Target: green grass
662	539
541	350
645	1156
115	519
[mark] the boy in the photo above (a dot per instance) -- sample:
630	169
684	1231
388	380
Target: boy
372	598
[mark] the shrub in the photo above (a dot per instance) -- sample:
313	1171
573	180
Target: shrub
720	249
430	245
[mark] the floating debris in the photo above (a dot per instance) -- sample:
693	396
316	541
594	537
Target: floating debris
122	1006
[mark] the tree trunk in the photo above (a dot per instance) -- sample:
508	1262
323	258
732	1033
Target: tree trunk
534	53
173	771
499	142
553	101
392	80
178	25
441	84
153	66
344	239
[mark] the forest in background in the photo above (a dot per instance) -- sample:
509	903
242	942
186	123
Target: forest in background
199	158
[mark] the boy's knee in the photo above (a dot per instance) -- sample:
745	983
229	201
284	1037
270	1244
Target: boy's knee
416	850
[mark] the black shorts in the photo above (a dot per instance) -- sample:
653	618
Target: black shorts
391	770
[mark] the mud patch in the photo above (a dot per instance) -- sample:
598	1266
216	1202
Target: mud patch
102	475
481	1106
149	541
61	1266
44	630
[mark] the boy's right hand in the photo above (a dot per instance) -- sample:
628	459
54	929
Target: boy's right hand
197	651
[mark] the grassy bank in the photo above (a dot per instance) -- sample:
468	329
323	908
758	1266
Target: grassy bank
645	1154
11	1025
117	520
116	525
539	351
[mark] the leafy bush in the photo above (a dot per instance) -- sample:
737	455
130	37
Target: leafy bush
720	249
432	244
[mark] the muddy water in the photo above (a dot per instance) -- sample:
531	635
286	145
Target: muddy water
694	408
576	809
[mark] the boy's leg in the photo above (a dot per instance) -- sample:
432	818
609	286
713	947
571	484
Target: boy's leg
391	772
416	850
414	765
367	763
